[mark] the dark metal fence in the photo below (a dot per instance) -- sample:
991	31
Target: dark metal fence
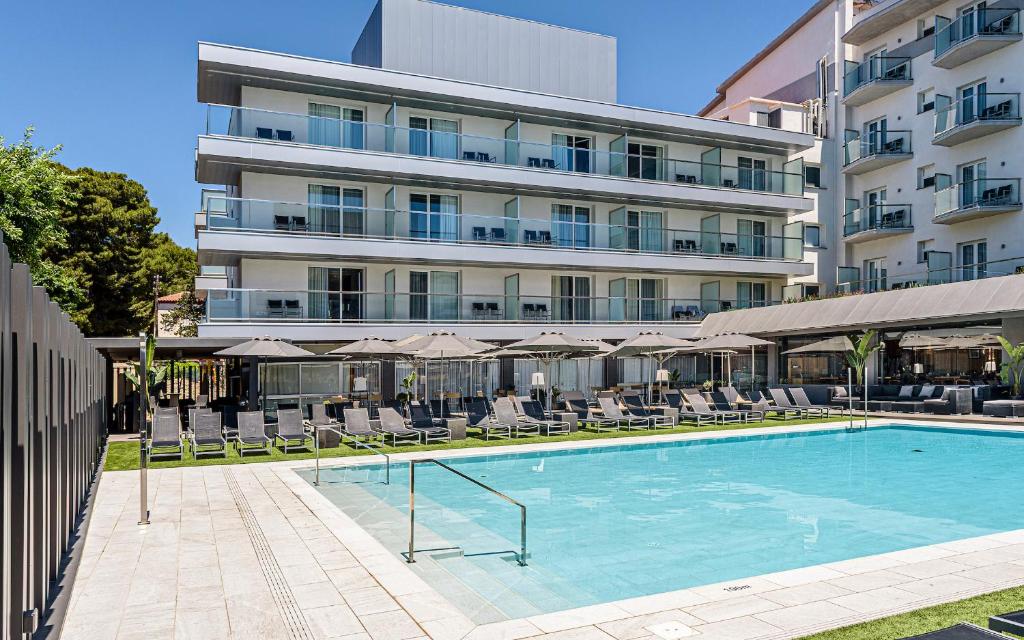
52	431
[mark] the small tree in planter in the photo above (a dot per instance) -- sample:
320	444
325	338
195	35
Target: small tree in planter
858	360
1013	371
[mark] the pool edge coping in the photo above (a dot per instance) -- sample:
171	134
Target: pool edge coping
399	580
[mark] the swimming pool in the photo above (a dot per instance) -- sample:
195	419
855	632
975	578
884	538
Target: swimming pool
613	522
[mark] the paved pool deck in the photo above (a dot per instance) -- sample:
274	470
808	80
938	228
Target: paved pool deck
254	551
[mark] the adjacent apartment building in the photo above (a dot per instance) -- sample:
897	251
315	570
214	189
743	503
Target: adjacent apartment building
479	176
921	161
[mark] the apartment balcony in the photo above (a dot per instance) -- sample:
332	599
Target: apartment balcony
233	228
977	199
974	34
875	151
329	147
977	117
875	78
874	222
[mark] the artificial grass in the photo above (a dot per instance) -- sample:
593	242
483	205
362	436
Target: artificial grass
124	455
976	610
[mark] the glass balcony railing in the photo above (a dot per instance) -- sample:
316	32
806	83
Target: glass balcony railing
982	193
980	22
985	107
879	68
264	305
879	143
879	216
434	226
886	281
345	134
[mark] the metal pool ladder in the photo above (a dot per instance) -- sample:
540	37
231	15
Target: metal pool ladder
349	440
520	557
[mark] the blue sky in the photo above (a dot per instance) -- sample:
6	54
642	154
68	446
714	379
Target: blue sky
114	81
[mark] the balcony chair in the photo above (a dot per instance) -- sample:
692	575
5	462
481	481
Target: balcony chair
893	146
542	311
284	135
529	237
493	311
479	310
533	162
728	248
275	308
498	234
547	163
529	310
292	309
544	237
299	223
479	234
282	223
264	133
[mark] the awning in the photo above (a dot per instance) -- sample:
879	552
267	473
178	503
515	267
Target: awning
953	303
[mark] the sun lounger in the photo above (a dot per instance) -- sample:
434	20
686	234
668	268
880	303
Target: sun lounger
166	436
1012	622
433	429
962	631
357	425
611	409
478	417
252	433
576	403
635	406
761	403
534	414
505	414
803	402
291	430
392	424
674	398
782	401
700	406
207	436
722	403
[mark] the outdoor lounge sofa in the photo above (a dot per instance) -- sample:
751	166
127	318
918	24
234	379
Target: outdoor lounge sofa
675	400
291	430
166	436
433	429
720	402
505	415
252	433
207	436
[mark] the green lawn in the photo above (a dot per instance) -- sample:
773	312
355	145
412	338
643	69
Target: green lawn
122	456
976	610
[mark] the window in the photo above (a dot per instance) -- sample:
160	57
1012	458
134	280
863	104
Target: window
752	173
973	258
822	78
971	101
925	100
762	119
812	176
570	225
926	176
750	294
812	235
433	217
571	295
434	137
645	161
334	126
775	118
876	275
972	182
434	295
812	290
925	27
636	299
923	247
751	237
572	153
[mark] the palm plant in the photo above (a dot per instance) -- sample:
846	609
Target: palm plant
154	374
1013	371
858	360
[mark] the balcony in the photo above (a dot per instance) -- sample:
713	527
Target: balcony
374	233
974	34
295	129
875	78
977	199
876	221
976	117
875	151
940	272
284	307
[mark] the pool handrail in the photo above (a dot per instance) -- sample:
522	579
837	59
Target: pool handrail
521	556
341	434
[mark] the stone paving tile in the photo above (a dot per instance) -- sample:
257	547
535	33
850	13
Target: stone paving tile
805	615
731	608
876	601
745	628
370	600
941	586
391	625
805	593
637	627
930	568
870	580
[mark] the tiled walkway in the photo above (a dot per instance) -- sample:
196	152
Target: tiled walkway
253	551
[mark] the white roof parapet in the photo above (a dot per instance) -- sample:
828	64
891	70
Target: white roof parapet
939	304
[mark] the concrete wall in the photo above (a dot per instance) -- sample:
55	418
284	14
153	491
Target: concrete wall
462	44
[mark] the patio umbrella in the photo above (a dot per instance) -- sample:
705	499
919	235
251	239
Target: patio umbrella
371	347
546	347
733	342
919	341
837	344
265	347
441	345
653	345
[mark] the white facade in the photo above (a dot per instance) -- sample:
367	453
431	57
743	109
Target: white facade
374	201
923	120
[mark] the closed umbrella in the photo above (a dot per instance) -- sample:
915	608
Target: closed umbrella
441	345
653	345
546	347
265	347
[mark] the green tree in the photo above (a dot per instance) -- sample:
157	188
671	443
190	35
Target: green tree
1013	370
862	350
34	190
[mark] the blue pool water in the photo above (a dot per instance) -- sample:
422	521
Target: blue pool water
607	523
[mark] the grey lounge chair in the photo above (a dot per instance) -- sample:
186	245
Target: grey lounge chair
357	424
700	406
291	430
252	433
478	417
611	410
505	415
392	424
207	436
962	631
534	414
193	412
782	401
760	402
318	416
433	429
675	400
166	436
1012	622
720	402
575	402
802	401
635	406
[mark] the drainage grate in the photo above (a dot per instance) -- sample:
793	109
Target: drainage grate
294	621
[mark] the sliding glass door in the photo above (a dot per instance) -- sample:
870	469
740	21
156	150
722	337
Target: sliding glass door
434	295
571	225
571	298
434	137
433	217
